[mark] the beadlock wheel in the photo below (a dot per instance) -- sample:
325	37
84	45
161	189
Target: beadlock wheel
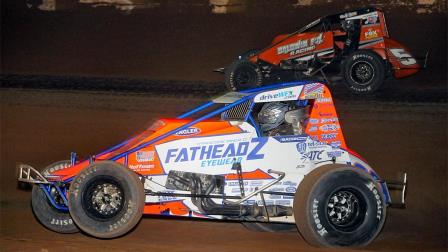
364	71
339	206
106	199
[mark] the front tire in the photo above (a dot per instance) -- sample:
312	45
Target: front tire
364	72
339	206
52	218
106	200
243	74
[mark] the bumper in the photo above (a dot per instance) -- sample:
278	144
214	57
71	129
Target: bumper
27	174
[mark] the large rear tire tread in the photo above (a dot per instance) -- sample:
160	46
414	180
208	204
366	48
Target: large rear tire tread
314	200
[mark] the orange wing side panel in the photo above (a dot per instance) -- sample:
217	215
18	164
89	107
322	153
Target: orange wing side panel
323	124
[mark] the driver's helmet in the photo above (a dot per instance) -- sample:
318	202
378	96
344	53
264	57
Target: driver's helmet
347	25
272	115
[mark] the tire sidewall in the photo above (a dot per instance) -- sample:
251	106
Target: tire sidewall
127	217
45	213
379	71
322	232
242	65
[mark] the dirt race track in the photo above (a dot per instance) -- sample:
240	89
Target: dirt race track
39	127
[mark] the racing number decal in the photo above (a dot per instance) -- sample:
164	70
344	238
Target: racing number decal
404	57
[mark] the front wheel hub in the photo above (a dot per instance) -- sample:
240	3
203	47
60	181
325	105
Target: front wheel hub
107	199
344	210
362	72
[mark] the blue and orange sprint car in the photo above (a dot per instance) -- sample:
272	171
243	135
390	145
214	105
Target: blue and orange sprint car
270	155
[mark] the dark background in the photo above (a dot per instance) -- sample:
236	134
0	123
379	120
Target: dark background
184	40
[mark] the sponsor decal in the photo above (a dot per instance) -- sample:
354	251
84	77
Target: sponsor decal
313	91
329	127
144	156
312	129
329	136
290	189
272	196
283	202
289	139
313	155
314	121
301	46
301	147
334	154
379	211
256	183
315	145
285	94
167	198
188	131
218	154
372	19
371	34
290	183
325	114
329	120
236	183
324	100
249	202
61	222
268	202
141	166
335	144
320	229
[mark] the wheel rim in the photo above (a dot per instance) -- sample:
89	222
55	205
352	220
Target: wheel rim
103	199
246	76
346	209
362	73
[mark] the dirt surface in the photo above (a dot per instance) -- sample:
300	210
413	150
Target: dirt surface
42	126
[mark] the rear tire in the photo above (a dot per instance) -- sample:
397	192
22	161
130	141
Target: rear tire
243	74
364	72
52	218
106	200
339	206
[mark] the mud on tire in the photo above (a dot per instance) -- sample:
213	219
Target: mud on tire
339	206
243	74
45	212
364	72
106	199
